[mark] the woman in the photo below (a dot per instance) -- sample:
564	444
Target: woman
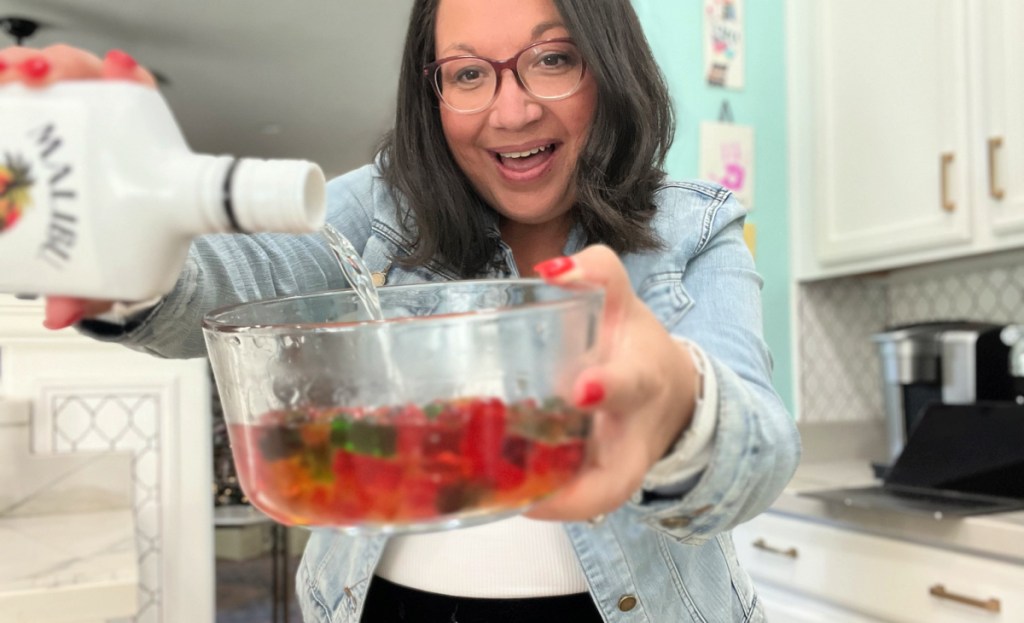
548	164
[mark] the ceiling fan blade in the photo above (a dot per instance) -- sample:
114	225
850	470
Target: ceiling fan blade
20	28
160	77
23	28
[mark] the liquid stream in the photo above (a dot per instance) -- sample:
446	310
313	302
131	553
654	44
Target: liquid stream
355	270
361	280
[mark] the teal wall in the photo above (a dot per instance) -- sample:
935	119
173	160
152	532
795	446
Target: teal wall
675	29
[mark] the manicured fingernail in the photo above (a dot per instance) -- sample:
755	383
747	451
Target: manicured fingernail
3	65
593	393
63	323
554	267
122	59
35	68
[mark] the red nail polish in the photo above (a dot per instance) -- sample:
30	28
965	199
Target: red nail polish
63	323
593	393
554	267
122	59
3	65
35	68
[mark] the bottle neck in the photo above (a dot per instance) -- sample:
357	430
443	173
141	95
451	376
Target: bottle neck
201	185
250	195
227	198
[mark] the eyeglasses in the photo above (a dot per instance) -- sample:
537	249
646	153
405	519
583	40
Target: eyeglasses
547	70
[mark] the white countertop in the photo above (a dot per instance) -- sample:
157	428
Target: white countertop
67	531
68	567
839	456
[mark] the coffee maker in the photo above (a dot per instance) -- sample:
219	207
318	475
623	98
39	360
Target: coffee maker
954	400
949	362
1013	336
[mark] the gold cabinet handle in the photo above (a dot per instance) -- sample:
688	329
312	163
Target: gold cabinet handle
992	604
994	145
947	204
788	553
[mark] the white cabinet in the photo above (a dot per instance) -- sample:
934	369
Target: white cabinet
901	113
781	606
891	137
1000	104
858	577
91	397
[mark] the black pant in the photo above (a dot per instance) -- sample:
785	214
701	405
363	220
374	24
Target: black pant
388	602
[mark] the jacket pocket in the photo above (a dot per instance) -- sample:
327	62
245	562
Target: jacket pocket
742	585
665	296
713	587
380	255
311	603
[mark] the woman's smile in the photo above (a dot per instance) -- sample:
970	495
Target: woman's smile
520	152
525	163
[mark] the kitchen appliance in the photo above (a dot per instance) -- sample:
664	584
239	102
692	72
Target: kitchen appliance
961	460
951	362
1013	336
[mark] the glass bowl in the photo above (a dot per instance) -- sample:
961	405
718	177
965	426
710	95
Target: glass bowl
451	411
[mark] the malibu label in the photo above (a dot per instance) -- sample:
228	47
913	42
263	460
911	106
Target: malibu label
57	176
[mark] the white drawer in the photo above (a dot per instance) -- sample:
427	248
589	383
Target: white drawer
782	606
883	578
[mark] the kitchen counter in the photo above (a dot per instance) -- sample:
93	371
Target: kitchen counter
68	567
67	531
839	455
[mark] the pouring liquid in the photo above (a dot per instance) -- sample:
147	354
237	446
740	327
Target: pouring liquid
355	270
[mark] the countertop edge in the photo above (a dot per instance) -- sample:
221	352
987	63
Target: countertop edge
71	603
73	582
997	536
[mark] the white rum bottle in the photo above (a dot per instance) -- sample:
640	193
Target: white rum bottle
100	195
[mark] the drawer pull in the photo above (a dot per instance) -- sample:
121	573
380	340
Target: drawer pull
788	553
992	604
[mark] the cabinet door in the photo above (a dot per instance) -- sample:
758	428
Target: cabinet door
889	106
786	607
1001	101
91	396
876	577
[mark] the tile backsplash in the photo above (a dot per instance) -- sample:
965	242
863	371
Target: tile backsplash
839	369
840	375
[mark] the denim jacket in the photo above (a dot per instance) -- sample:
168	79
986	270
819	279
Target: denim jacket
664	557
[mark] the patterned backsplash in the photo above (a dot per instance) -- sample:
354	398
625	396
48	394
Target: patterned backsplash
840	374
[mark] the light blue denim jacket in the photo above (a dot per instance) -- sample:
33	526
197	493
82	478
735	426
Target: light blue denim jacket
670	549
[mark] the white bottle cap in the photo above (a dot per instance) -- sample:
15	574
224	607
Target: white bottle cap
285	196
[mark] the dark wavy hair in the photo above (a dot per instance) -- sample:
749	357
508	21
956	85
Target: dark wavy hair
620	166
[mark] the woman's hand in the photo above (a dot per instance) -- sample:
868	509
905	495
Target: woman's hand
643	392
41	68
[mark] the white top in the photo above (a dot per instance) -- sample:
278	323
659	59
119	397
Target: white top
521	557
536	560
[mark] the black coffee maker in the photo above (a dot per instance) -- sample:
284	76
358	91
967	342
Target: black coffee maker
1013	336
949	362
954	395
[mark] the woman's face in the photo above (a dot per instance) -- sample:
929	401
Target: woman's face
532	190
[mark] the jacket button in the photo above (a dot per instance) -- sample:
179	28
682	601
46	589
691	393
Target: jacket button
379	279
627	603
675	522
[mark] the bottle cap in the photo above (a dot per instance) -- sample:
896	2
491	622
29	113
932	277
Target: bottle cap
285	196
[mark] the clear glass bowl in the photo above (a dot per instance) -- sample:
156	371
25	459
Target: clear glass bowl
452	411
